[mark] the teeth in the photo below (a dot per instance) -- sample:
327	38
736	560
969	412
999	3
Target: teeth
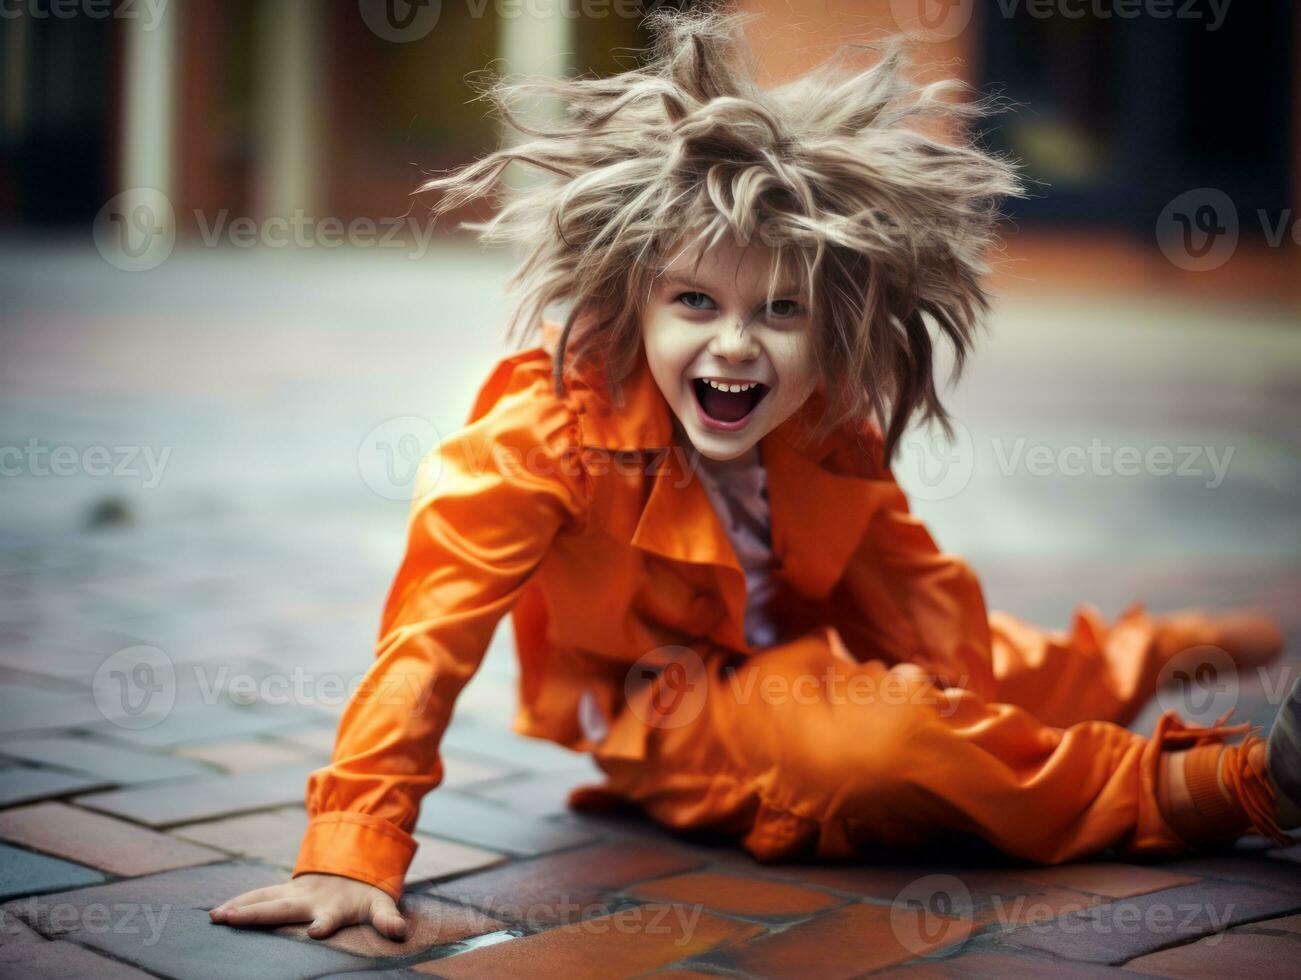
730	387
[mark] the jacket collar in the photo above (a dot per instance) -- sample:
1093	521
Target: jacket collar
819	509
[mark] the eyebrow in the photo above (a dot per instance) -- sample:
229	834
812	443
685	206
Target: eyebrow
669	278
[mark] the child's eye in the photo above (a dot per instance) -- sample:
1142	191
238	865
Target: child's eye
784	308
695	300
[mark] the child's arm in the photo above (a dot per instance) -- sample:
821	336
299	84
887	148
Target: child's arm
904	598
491	501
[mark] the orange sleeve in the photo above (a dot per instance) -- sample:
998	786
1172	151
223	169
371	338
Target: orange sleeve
902	599
488	503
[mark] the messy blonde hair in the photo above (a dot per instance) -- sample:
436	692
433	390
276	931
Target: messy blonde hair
883	225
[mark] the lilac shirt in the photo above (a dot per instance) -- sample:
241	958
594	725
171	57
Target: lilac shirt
740	498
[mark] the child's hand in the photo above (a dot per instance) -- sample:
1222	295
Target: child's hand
327	901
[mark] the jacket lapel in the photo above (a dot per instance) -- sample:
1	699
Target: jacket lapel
818	515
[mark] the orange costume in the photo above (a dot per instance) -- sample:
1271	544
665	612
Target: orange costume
579	516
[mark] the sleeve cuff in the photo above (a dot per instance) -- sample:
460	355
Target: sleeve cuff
357	845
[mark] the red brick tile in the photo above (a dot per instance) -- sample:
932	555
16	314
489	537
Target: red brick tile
1119	931
1010	902
464	770
430	923
561	887
23	953
201	887
1256	870
205	798
99	841
990	965
316	740
737	894
1229	955
621	944
983	896
845	942
1112	879
24	872
470	820
1288	923
245	754
272	836
541	794
23	784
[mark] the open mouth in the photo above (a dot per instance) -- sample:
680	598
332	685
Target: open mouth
727	404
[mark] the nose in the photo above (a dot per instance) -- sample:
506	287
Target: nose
733	342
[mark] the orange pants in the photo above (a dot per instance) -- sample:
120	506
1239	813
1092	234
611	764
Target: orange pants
801	749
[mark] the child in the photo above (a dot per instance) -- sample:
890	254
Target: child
682	496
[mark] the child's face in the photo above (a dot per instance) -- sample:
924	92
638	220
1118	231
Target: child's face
715	323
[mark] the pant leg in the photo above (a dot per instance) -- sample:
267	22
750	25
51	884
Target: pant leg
801	749
1096	670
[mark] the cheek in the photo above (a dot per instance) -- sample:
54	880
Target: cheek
793	359
666	342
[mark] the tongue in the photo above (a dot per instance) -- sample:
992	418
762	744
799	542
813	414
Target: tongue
726	406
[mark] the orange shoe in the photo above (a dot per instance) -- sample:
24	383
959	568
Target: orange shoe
1226	791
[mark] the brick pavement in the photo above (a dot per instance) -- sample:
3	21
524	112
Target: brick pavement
113	841
118	830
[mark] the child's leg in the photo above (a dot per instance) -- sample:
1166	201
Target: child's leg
802	749
1108	671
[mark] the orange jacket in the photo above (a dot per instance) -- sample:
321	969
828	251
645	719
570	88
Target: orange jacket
580	518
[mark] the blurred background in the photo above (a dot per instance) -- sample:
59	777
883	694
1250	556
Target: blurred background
228	330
